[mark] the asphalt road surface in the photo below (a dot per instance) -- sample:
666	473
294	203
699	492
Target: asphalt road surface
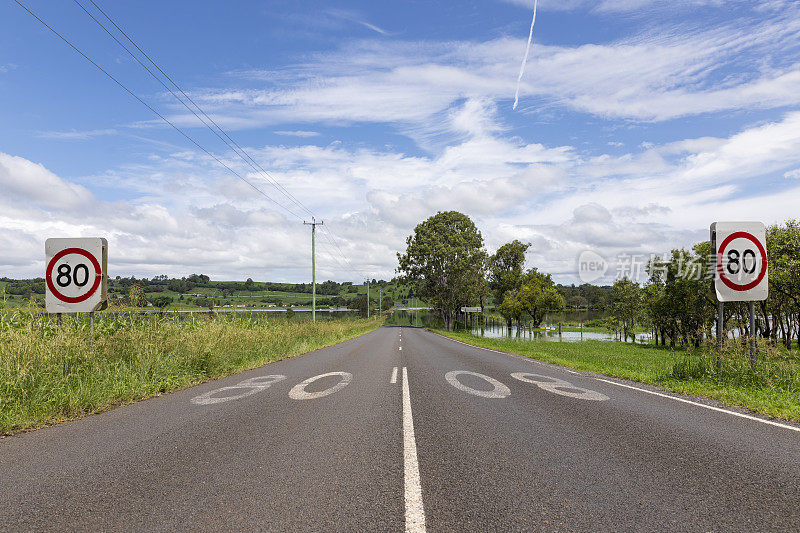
404	429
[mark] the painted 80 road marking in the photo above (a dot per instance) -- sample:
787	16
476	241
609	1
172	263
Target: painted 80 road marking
260	383
249	387
557	386
499	390
298	392
547	383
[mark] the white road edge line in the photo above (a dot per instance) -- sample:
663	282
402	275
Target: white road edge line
415	512
394	376
677	399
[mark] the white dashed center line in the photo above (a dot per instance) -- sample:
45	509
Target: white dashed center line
393	379
415	512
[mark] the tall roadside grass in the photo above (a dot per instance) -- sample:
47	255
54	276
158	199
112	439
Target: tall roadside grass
771	386
48	375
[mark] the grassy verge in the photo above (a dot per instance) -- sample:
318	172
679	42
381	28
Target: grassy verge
46	377
772	387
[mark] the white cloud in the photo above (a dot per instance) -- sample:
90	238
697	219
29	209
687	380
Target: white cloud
76	135
623	6
184	214
792	174
24	181
662	73
297	133
355	18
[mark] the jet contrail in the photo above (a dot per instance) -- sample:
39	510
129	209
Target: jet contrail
525	59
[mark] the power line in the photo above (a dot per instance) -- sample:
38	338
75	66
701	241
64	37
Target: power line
326	232
148	106
253	163
330	253
231	143
228	140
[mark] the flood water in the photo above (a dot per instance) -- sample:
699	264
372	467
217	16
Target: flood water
501	332
498	330
537	334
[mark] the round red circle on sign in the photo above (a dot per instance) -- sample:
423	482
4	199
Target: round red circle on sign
73	299
721	272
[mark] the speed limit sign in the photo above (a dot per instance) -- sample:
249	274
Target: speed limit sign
740	250
75	275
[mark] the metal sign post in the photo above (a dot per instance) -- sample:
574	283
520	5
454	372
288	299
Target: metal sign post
720	332
741	270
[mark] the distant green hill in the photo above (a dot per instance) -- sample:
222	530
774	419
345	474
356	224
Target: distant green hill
199	291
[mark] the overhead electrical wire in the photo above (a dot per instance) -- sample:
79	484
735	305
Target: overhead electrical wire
329	235
227	139
148	106
330	253
224	137
241	152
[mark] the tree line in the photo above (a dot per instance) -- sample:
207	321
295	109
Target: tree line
677	303
187	284
446	264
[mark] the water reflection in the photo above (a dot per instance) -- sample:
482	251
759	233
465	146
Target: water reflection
497	329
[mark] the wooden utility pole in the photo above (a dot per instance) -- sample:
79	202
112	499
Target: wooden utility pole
313	225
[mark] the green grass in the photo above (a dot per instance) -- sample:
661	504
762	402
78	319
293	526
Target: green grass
772	387
46	377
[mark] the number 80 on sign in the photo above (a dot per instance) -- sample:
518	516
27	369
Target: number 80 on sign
741	273
75	275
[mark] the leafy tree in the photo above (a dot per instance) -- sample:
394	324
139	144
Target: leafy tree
446	261
680	302
328	287
249	284
627	306
360	303
506	270
204	302
783	249
538	296
198	279
511	309
161	301
654	301
179	285
136	296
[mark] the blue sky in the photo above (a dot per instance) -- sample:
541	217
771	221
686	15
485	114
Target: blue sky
640	122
